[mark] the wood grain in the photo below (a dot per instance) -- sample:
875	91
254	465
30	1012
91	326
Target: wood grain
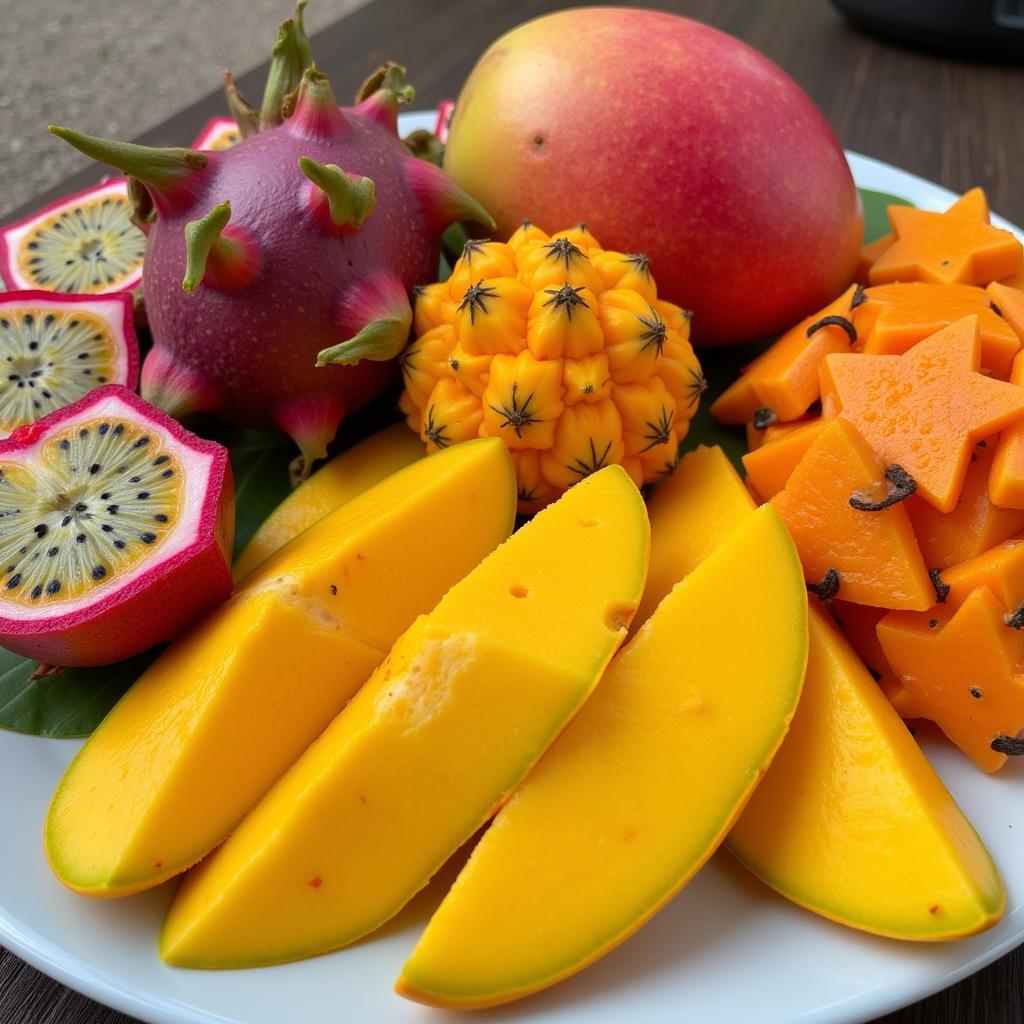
956	123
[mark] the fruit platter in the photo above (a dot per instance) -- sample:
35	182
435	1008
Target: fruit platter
436	582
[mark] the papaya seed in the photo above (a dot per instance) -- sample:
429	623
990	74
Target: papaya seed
975	692
1012	746
996	309
834	321
901	486
941	588
827	588
859	297
1015	619
764	418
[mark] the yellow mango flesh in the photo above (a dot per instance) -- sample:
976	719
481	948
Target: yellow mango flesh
852	822
467	701
343	478
229	706
692	512
638	791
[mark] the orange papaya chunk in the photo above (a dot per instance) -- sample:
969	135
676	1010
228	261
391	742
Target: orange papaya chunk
1008	302
777	431
1014	280
1006	481
859	623
869	254
769	467
737	403
784	378
895	317
958	246
926	409
755	437
960	669
1001	569
974	524
874	553
1006	478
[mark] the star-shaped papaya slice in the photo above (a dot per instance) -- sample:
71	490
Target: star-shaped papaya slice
960	669
926	409
893	318
958	246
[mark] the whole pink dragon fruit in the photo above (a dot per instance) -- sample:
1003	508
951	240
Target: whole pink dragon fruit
277	273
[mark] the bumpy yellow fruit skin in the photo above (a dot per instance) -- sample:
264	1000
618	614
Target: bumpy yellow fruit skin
640	789
468	700
343	478
560	348
228	707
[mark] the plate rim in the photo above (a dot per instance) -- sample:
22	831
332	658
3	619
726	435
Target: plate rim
53	960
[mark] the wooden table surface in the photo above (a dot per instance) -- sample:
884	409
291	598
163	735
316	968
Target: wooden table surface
956	123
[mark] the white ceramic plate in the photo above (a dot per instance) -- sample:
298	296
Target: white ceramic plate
726	950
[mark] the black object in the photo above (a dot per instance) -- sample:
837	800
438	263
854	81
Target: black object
980	29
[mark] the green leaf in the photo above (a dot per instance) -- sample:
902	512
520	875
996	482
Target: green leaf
259	465
876	220
69	704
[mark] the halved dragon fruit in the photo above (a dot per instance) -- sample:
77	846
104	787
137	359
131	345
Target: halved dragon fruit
85	243
55	348
218	133
118	526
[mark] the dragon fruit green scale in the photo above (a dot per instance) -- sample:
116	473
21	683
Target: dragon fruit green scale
277	273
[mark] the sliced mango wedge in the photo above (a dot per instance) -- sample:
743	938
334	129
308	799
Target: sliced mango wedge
853	823
692	512
468	700
342	479
638	791
232	703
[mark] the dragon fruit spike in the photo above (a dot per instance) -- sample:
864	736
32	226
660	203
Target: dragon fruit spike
439	198
382	94
140	202
374	317
221	255
317	114
246	116
176	387
311	422
290	57
173	176
340	201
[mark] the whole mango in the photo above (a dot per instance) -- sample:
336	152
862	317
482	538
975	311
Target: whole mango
672	139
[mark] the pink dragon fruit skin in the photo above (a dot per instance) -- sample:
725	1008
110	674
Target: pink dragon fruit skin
297	269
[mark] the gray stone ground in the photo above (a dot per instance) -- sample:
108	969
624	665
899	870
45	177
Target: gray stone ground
116	68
